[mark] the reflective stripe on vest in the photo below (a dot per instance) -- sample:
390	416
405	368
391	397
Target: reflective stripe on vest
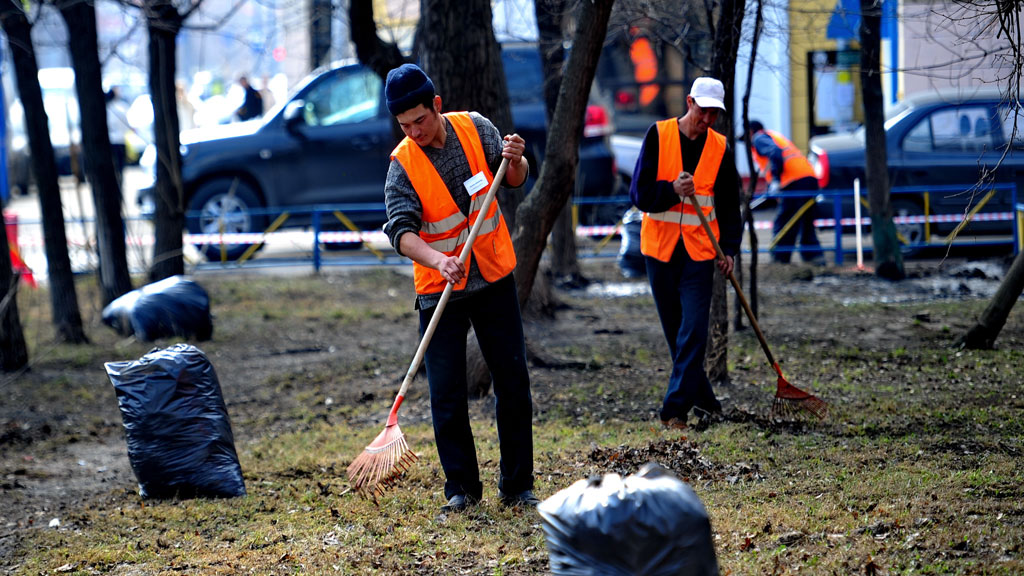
794	164
661	231
444	227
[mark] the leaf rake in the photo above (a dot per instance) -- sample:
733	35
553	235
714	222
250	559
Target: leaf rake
388	457
789	401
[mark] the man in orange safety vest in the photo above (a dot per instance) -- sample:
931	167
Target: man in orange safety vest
683	159
787	170
438	177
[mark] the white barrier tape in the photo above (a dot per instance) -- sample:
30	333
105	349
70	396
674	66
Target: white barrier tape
34	240
980	217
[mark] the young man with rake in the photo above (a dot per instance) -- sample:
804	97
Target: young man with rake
438	176
683	161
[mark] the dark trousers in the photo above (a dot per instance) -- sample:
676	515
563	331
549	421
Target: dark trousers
803	231
494	314
682	294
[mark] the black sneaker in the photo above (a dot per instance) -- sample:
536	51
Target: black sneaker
458	503
524	499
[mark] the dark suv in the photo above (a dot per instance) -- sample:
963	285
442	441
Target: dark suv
939	146
329	143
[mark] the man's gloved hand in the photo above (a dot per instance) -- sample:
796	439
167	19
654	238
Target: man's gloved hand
773	187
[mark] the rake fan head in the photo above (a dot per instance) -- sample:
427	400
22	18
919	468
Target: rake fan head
382	463
791	402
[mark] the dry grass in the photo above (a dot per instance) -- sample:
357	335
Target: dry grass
917	469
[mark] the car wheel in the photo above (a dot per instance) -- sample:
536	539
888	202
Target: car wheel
911	234
224	205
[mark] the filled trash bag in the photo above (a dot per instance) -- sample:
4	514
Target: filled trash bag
174	306
176	425
630	259
647	524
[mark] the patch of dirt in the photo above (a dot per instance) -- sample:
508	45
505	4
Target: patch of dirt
62	443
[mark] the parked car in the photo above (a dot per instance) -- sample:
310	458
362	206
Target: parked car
943	144
329	143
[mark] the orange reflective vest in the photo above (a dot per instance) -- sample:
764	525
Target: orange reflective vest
445	228
794	164
660	231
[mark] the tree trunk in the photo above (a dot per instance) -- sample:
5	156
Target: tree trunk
565	267
163	23
80	18
319	33
748	194
982	336
463	59
726	44
886	247
557	175
13	351
374	53
67	318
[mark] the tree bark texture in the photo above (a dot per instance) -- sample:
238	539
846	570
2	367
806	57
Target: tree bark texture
537	213
887	255
726	42
80	18
565	266
67	317
982	336
163	23
13	351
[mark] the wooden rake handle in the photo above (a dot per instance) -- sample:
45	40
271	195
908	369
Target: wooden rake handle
735	285
436	316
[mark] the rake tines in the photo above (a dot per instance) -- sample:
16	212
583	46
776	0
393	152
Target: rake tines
382	463
791	402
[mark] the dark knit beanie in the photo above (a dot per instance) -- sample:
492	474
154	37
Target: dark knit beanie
406	87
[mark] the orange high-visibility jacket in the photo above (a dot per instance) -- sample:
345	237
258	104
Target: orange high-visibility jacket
794	164
444	227
660	231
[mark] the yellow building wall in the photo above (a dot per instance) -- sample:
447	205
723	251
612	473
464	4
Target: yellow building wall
808	21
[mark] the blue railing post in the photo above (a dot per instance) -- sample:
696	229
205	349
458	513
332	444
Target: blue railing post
316	240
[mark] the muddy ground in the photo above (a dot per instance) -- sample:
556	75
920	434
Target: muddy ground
62	444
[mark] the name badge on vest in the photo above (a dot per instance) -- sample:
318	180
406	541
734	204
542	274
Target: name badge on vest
476	183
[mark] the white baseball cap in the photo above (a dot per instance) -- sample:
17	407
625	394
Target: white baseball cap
708	93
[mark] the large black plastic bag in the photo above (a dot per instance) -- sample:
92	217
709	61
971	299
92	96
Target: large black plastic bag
175	306
179	436
647	524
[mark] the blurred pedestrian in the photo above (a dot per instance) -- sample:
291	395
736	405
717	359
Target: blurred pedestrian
117	129
252	105
439	174
186	111
787	170
683	159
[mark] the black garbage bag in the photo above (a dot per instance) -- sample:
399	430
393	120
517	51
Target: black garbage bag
175	306
647	524
176	425
630	259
